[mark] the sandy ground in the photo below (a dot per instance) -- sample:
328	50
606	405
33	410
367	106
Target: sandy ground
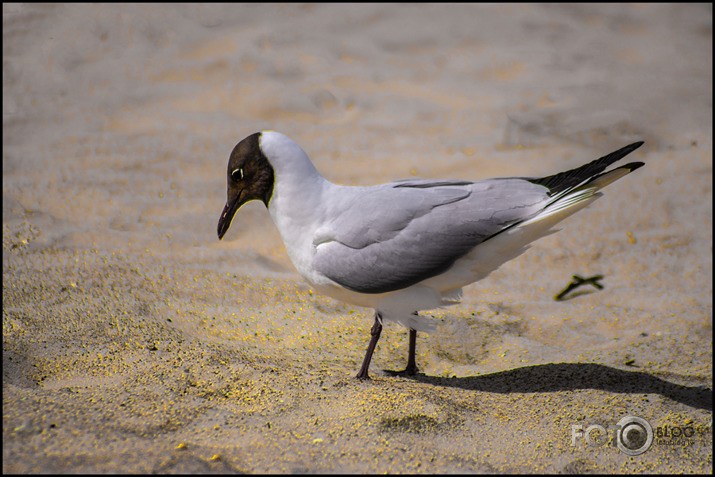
135	341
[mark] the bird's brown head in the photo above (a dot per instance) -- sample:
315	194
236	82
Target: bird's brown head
249	177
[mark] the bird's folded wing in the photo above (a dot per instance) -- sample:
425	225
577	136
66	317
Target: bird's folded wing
395	235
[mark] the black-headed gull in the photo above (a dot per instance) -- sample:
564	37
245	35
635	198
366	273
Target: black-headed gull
407	245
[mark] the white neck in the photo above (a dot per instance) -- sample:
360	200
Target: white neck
296	205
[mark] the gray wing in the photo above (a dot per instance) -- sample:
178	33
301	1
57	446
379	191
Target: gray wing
391	236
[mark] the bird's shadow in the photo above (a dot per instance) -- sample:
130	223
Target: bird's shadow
575	376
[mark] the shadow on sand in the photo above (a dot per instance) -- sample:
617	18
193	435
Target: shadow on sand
574	376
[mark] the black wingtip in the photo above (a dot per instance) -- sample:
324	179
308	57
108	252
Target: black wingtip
630	148
632	166
609	159
564	180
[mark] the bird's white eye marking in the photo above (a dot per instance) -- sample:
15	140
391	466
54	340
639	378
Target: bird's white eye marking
237	174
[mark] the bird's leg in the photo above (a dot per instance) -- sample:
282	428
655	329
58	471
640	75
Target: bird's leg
375	336
411	369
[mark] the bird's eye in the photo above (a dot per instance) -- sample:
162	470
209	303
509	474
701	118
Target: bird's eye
237	174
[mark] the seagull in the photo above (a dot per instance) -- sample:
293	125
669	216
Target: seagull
407	245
